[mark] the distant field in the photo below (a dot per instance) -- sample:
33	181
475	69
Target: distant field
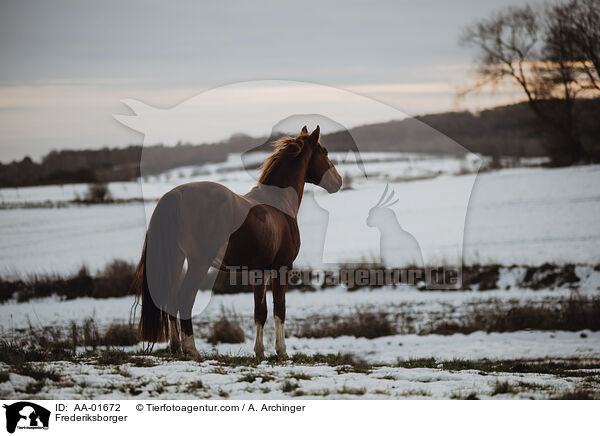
513	216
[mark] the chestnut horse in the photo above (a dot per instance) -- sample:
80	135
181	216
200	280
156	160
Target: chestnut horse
209	225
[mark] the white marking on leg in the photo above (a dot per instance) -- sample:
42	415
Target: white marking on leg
259	346
280	337
189	345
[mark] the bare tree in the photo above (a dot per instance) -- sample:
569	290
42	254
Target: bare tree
543	54
574	31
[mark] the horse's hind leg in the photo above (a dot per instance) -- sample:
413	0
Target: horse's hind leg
260	316
187	295
173	309
175	340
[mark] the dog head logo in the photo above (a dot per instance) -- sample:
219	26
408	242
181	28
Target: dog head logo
26	415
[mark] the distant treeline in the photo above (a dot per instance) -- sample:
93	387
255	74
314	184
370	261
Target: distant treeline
504	131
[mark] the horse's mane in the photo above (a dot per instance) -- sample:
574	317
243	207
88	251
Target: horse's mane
286	146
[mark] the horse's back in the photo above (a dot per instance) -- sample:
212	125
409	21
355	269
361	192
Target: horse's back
207	215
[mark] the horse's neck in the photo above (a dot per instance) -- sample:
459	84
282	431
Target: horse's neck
285	199
283	187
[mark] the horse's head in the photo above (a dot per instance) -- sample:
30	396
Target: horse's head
381	212
320	170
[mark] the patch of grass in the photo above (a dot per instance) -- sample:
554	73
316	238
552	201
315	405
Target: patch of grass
579	393
387	377
223	394
37	372
360	324
123	372
219	370
460	396
252	377
21	361
120	335
503	387
166	354
34	388
572	314
526	386
415	393
113	357
194	386
52	343
300	376
484	277
89	331
248	378
142	362
226	331
130	389
72	286
275	359
549	275
266	378
66	383
427	362
13	354
320	393
352	391
289	386
558	367
114	280
231	360
347	361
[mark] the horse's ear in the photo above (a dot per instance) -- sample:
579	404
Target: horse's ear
304	130
315	134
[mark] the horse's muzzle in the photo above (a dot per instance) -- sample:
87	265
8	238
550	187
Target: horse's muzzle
331	180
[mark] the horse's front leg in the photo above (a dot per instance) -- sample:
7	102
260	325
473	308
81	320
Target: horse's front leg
260	316
279	285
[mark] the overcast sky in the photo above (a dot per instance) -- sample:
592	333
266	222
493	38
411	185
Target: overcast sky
65	65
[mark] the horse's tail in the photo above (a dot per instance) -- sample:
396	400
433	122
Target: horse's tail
158	264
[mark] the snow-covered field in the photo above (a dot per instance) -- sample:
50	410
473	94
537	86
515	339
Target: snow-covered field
209	379
423	308
513	216
382	377
524	216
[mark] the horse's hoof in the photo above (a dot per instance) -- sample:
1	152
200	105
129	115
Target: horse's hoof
281	352
192	353
194	356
